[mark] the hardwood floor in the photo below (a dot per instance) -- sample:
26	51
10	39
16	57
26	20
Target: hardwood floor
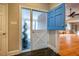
69	45
41	52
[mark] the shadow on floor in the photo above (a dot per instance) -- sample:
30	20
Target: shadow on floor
41	52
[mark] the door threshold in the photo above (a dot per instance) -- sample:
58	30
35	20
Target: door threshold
26	50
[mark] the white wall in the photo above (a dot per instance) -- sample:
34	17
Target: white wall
53	40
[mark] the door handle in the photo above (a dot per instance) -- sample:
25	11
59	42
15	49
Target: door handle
4	33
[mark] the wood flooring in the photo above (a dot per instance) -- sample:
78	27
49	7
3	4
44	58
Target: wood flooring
69	45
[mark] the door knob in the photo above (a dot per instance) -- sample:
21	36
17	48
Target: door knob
4	33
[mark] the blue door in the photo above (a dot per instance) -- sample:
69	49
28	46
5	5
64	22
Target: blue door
56	18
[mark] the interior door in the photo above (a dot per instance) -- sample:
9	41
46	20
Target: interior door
39	30
3	30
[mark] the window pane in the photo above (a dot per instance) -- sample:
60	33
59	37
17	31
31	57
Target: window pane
39	20
25	29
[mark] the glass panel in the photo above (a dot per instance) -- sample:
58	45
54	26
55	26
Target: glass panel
39	20
25	29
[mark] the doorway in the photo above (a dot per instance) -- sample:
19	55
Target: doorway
39	30
34	24
26	45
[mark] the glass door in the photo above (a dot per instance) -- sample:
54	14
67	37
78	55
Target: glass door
26	29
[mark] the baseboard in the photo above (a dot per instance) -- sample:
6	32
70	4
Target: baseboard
27	50
53	48
11	53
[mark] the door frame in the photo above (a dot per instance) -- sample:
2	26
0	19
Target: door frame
6	29
20	26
